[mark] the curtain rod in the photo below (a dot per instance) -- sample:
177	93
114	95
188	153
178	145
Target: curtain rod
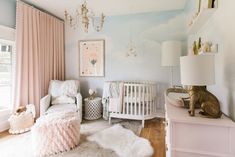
40	9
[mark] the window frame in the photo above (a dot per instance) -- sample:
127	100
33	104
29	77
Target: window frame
7	36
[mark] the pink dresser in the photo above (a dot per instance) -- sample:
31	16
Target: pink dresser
196	136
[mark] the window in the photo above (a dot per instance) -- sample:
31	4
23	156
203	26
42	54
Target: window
7	71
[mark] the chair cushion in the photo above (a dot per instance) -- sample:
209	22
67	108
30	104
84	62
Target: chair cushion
63	99
62	108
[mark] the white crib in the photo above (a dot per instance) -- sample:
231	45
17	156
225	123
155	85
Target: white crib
138	102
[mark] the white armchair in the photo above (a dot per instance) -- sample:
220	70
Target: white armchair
62	96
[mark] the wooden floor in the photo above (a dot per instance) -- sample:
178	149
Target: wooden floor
154	131
4	134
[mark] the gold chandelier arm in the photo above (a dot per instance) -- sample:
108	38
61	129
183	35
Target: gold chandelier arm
101	24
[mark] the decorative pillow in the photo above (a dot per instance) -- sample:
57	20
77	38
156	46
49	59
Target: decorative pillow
69	88
58	88
63	100
54	88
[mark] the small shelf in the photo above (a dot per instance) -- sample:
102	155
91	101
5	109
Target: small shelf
201	19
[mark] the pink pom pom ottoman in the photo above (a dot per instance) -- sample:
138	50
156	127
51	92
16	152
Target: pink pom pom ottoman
55	133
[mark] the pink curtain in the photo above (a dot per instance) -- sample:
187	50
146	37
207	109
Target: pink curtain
39	54
51	56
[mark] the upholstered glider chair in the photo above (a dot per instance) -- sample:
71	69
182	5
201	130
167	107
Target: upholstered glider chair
63	96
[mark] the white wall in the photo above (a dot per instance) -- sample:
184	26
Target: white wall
4	115
7	33
221	29
8	13
148	31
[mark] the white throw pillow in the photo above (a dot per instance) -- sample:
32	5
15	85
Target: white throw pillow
69	88
55	88
63	99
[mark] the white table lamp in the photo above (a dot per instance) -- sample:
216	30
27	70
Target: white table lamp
170	56
198	71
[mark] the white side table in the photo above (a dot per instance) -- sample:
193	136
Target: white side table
93	108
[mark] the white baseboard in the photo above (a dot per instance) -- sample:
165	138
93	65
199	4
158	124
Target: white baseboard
4	116
4	126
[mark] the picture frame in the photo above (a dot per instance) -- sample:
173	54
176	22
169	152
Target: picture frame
91	57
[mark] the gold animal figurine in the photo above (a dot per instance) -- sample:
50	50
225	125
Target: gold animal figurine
209	103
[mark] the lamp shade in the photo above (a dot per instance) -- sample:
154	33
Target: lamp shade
198	70
171	52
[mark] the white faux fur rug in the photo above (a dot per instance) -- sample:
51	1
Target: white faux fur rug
123	141
21	145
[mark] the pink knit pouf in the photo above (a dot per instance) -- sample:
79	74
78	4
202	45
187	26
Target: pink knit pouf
55	133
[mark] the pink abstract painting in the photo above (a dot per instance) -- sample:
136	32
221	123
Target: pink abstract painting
91	58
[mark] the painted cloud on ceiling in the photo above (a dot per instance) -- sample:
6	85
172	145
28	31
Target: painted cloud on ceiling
173	29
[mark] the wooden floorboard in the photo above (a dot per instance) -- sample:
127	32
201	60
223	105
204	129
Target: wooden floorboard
154	131
4	134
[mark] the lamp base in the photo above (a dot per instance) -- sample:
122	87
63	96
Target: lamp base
209	103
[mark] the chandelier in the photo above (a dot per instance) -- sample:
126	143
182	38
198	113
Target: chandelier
84	16
131	46
131	49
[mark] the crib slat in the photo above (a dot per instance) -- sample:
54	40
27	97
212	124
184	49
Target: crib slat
156	98
143	102
127	103
139	105
151	100
147	93
135	113
131	100
123	103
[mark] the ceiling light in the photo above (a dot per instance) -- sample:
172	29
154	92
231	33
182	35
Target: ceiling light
83	18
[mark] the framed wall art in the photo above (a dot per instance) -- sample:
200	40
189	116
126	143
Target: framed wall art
91	57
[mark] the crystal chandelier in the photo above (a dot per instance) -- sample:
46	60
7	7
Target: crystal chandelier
84	16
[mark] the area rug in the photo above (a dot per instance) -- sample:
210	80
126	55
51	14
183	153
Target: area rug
20	145
123	141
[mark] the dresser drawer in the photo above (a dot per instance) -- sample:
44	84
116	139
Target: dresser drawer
202	138
186	154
